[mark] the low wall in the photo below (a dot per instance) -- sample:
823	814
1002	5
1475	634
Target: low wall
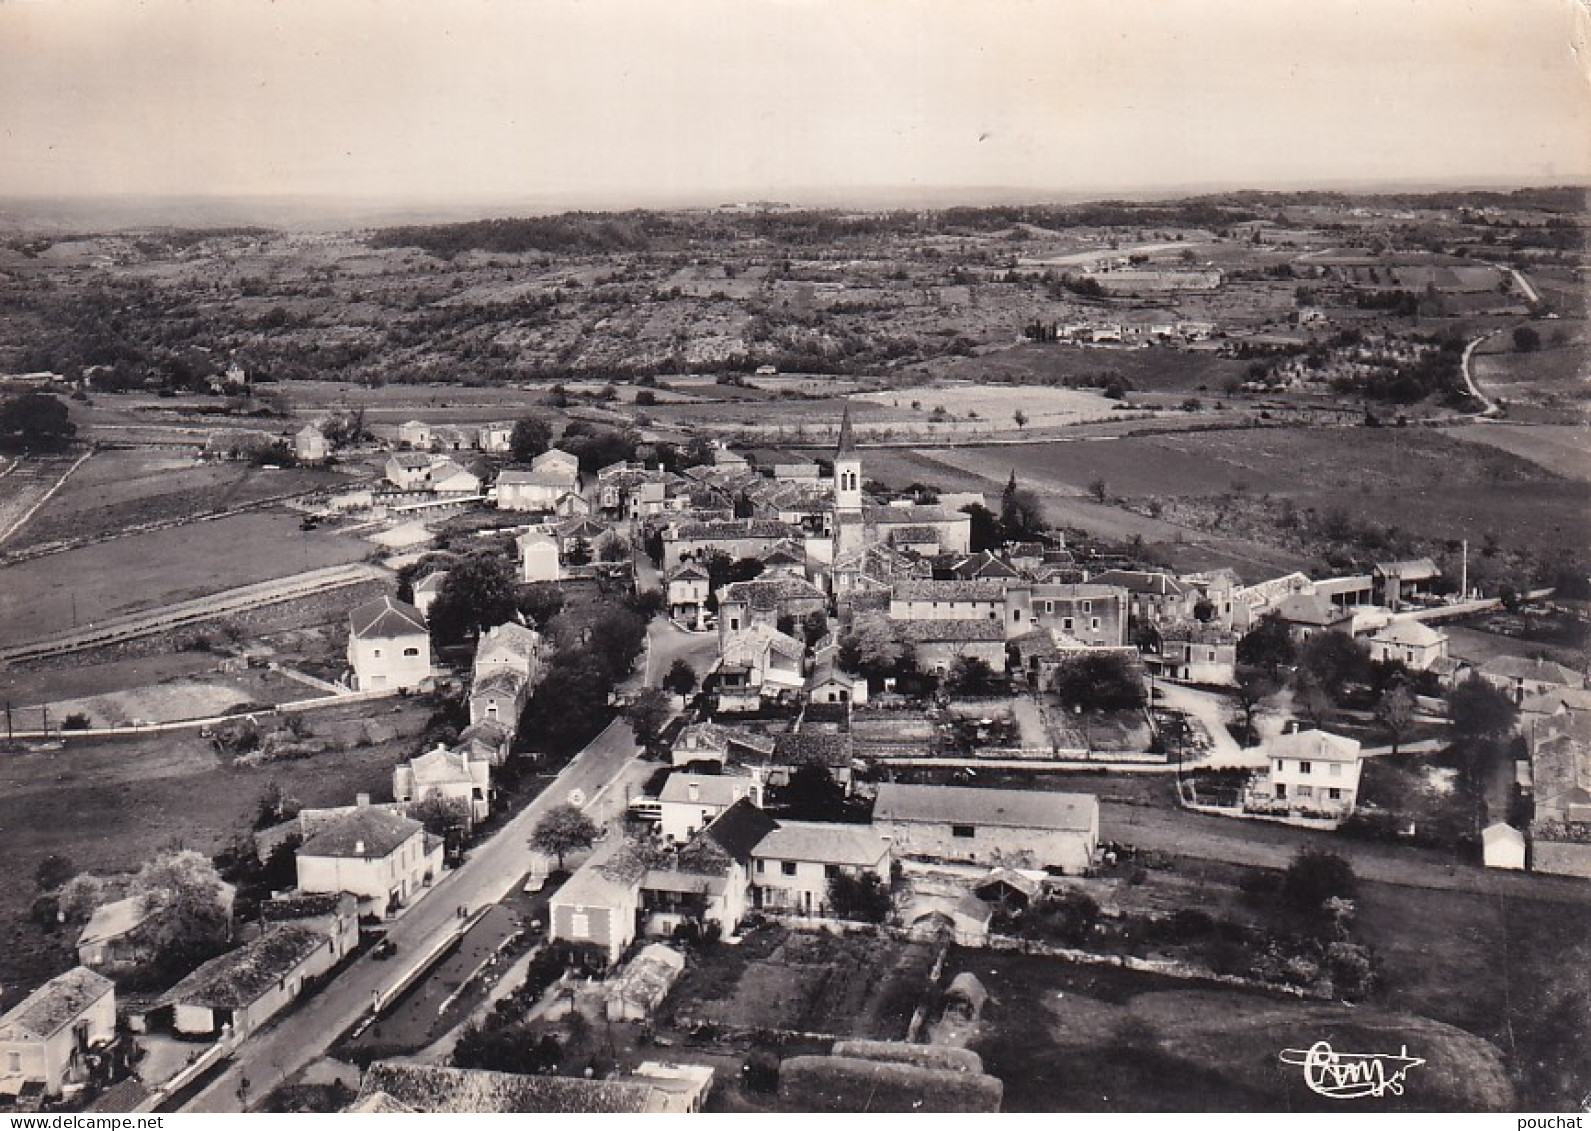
1561	858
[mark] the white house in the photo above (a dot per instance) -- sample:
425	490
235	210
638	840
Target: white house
1409	642
426	590
387	861
448	774
45	1038
496	437
408	471
552	475
690	801
448	477
310	445
388	645
539	559
793	865
1017	828
1503	846
415	433
244	988
688	589
1312	773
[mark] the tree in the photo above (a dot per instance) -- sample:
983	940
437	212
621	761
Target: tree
1526	340
1099	681
1268	645
613	549
647	714
869	649
1021	418
446	817
681	677
579	553
506	1048
539	602
1021	513
1477	711
970	675
1251	693
530	438
811	793
1334	660
1314	877
563	830
1098	488
615	640
814	627
984	531
52	872
192	920
570	705
1395	710
1311	699
479	593
864	898
35	422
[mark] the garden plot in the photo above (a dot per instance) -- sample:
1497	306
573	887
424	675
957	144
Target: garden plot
860	985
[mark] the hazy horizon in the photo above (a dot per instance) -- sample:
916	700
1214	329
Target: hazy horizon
605	104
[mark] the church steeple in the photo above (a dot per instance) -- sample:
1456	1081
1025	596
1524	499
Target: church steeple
847	437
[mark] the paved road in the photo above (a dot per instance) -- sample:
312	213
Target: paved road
493	870
667	642
1265	844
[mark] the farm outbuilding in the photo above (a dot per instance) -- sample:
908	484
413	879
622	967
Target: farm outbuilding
852	1084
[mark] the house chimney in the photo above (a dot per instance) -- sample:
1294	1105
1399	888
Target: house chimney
361	800
695	791
1292	727
359	848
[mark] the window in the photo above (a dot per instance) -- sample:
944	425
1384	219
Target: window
1088	606
1306	791
831	870
1049	606
965	832
411	651
1334	793
1066	624
1303	767
376	652
1281	791
580	925
1334	770
759	867
734	624
788	867
1093	623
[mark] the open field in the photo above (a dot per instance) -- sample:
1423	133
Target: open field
144	571
1422	481
1516	972
110	804
116	490
1562	449
1087	1038
1155	370
1043	406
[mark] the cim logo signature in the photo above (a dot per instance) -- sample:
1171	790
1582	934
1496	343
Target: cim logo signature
1351	1075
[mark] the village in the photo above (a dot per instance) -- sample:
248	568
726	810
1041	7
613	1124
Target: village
817	726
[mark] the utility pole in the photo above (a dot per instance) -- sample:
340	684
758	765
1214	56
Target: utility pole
1463	576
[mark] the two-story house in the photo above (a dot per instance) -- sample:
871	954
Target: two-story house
1416	645
386	860
794	864
1312	773
389	646
1016	828
448	774
689	586
47	1037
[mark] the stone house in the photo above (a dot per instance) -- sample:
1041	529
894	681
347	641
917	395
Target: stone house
793	864
1016	828
449	774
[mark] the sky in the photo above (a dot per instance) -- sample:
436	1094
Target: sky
645	101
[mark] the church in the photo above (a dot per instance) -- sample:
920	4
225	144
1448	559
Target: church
924	529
